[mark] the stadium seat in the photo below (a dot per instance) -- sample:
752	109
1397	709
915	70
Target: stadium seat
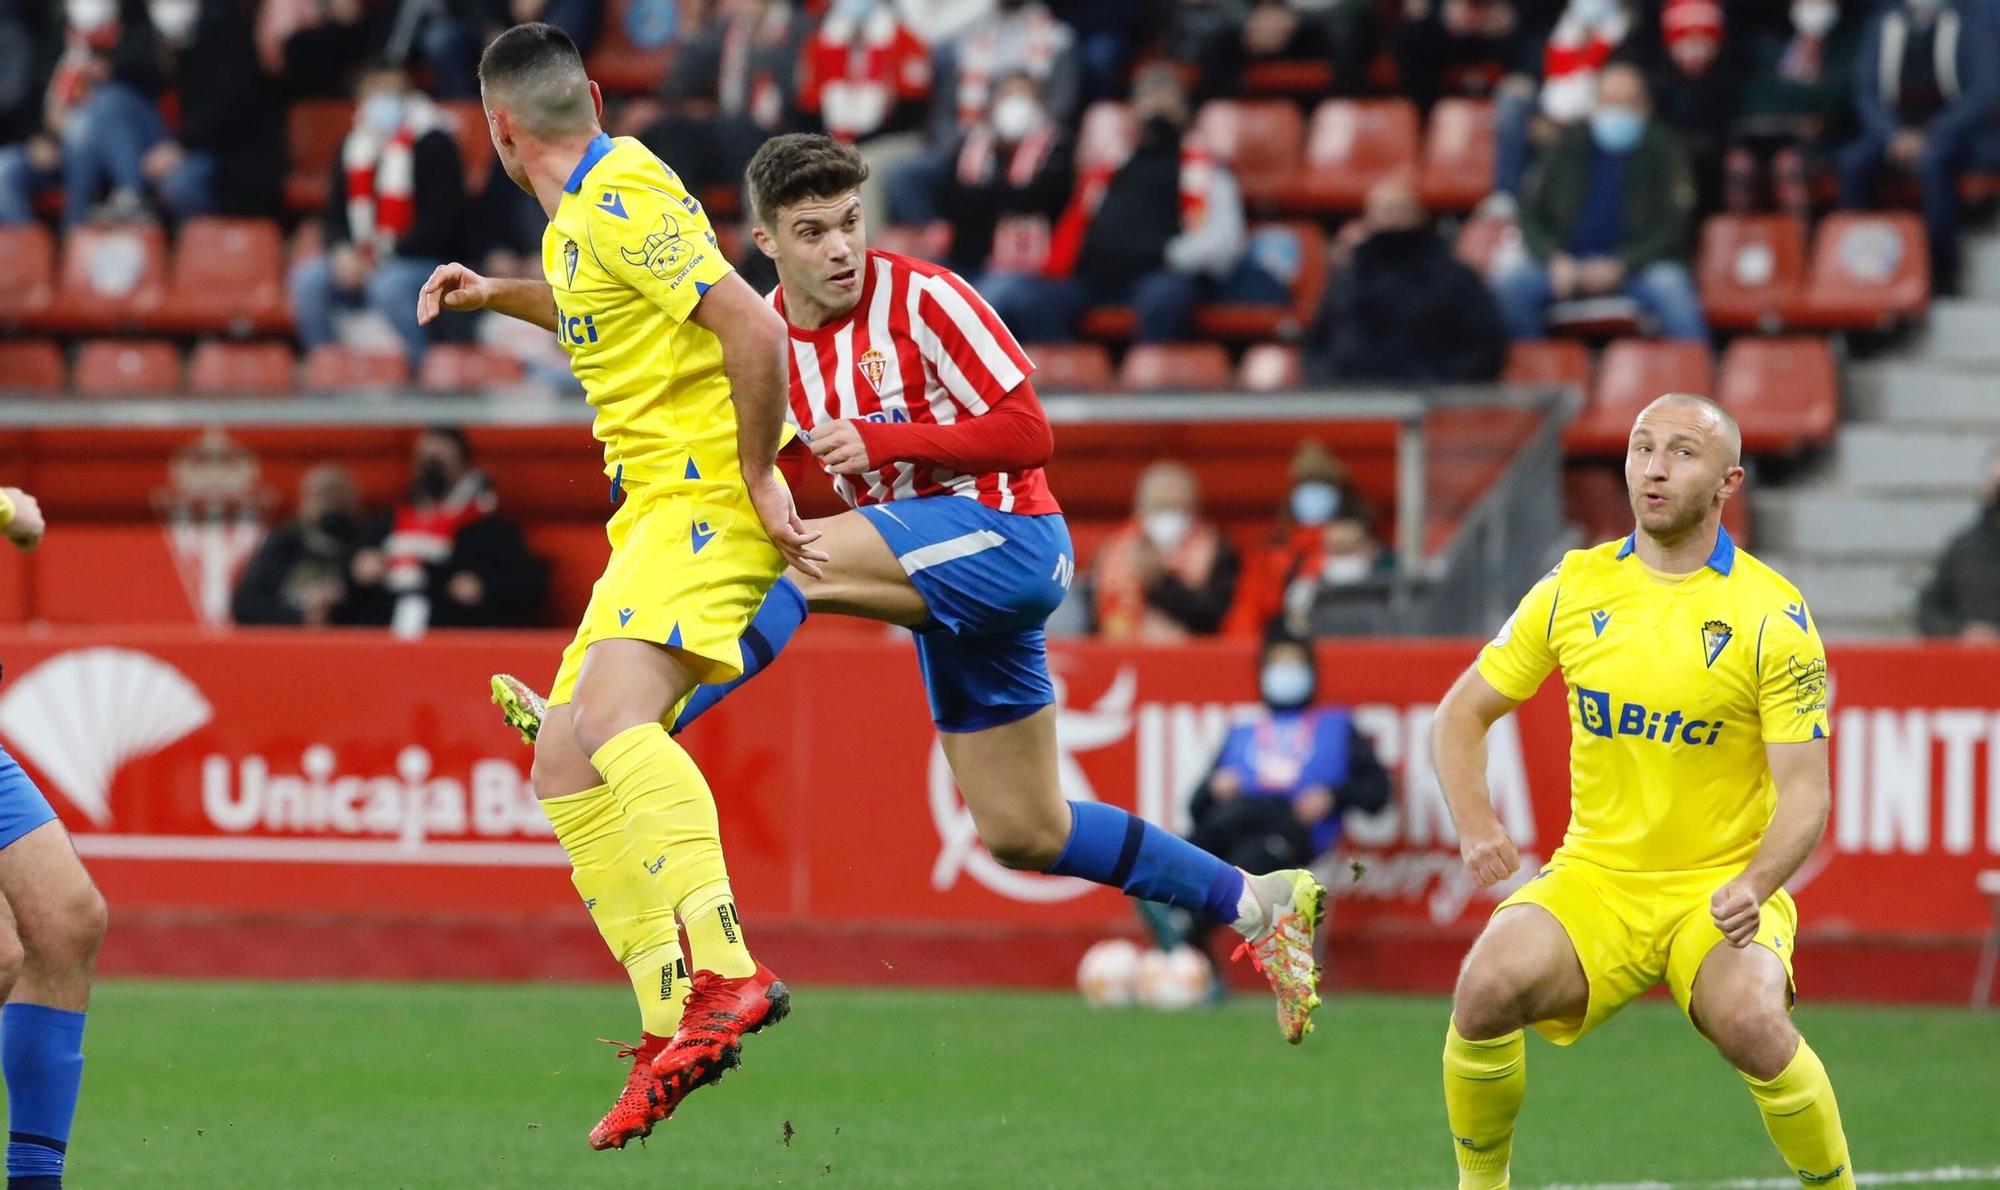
1479	240
1269	367
127	368
1105	138
1784	392
1869	270
460	367
1296	249
1548	361
1631	374
30	366
331	367
1112	324
111	276
1259	141
1299	78
1353	144
1752	268
27	272
1457	172
1154	366
220	369
227	275
635	47
314	130
1080	367
467	118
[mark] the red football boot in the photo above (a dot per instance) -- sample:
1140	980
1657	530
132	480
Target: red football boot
709	1042
639	1106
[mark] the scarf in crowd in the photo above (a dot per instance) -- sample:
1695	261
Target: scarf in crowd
859	66
1196	177
381	177
979	59
1122	610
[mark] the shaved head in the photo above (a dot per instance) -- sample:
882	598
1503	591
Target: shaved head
1718	420
534	74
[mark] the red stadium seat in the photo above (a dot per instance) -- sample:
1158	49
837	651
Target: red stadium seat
1785	392
1297	249
228	275
236	369
111	276
1269	367
1154	366
1106	137
314	130
1631	374
467	121
1259	141
30	366
333	368
1457	172
1294	77
127	368
635	48
27	272
1113	324
1548	361
1480	239
460	367
1081	367
1353	144
1752	268
1869	270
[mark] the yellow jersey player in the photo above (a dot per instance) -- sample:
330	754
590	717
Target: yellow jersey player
685	366
1697	694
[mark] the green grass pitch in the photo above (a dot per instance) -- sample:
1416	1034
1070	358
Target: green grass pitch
375	1085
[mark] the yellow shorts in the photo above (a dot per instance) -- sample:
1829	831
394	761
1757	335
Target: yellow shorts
690	563
1634	929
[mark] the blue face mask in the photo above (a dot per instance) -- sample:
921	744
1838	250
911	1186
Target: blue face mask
1314	502
381	113
1287	684
1616	129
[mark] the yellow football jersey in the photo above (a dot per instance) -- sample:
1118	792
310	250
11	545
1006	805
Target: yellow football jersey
1675	683
629	253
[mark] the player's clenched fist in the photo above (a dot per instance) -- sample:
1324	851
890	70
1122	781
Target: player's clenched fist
25	527
451	287
1489	855
1737	913
838	444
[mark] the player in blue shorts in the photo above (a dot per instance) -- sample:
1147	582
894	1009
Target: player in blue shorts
56	920
916	400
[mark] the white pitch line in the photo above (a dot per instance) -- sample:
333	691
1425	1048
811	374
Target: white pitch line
1907	1177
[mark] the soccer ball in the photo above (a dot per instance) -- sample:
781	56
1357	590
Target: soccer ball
1175	979
1108	977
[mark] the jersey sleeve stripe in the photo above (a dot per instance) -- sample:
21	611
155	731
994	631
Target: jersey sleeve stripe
971	345
991	327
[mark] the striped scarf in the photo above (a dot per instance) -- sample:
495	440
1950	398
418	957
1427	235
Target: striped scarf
381	178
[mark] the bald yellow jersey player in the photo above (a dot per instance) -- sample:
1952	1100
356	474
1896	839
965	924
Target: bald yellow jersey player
1697	692
685	366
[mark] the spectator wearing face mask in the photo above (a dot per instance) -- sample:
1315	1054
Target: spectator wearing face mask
1927	90
1012	175
1322	493
1608	210
445	558
1404	308
1962	599
228	157
1168	574
1529	113
299	574
395	211
1797	102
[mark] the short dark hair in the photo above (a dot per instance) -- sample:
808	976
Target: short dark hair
524	48
537	73
801	165
454	435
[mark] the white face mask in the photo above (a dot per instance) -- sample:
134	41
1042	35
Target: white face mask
1342	569
382	112
1315	502
1015	115
1166	528
175	19
1815	19
1287	683
88	16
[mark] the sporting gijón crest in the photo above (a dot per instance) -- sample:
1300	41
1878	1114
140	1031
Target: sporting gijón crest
872	365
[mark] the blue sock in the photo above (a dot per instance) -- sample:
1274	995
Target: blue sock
41	1054
769	632
1109	846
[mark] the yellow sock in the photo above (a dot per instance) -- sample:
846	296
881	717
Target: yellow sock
1804	1121
1484	1083
670	818
636	922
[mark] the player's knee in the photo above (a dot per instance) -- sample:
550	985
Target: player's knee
1025	846
1759	1040
1487	1003
594	722
68	933
10	961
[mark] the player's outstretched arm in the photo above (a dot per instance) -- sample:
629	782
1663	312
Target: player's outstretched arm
1804	799
754	344
1458	753
455	287
21	518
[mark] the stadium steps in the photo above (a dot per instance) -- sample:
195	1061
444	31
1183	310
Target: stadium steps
1850	591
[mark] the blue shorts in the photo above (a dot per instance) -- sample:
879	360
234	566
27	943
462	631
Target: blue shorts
22	806
991	580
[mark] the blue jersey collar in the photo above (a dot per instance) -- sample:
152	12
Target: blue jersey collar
1722	559
592	154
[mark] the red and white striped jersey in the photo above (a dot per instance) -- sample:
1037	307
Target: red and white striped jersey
920	346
